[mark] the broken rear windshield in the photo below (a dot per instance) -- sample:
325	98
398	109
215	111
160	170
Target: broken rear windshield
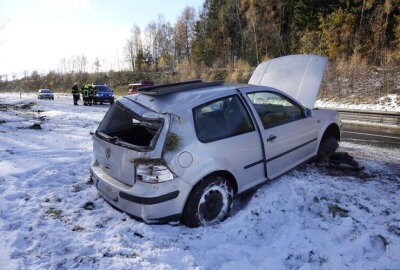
124	127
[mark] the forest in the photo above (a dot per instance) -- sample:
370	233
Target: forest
226	39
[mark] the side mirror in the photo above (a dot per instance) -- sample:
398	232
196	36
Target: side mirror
308	112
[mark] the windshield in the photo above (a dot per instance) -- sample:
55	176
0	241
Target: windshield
45	91
103	88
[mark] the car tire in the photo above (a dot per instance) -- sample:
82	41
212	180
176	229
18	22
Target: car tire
111	101
210	202
327	146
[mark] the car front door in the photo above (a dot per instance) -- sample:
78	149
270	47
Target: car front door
289	136
229	140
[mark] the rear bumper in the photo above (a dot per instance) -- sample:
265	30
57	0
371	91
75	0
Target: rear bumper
151	203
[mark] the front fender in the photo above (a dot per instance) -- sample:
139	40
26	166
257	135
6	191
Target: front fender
327	118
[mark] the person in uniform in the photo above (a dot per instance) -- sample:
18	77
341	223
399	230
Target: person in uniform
75	93
94	94
85	94
90	99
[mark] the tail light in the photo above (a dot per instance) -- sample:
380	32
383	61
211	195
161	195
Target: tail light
153	173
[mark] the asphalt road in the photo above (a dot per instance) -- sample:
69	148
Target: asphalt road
371	136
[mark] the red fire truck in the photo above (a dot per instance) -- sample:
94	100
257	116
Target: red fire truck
133	87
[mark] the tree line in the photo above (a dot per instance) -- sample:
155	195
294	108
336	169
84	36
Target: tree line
226	39
226	31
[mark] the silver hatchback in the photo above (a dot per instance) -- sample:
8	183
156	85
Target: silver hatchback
184	151
45	94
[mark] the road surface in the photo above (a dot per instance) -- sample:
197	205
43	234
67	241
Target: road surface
389	138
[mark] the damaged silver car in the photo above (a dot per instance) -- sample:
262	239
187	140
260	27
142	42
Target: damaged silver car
184	151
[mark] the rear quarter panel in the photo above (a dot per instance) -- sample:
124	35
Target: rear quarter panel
229	154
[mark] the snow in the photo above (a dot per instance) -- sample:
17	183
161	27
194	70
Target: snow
388	103
310	218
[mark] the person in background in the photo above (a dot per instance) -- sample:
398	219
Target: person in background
90	99
85	94
94	94
75	93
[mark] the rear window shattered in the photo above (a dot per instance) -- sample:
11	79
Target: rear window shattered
124	127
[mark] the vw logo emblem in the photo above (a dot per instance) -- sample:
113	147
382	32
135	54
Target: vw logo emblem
108	152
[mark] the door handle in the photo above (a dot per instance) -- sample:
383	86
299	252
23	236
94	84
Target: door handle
271	138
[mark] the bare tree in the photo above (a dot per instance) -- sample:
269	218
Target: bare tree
133	45
63	66
151	41
130	54
96	65
184	33
81	61
165	41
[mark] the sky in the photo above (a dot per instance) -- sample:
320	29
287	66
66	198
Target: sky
38	34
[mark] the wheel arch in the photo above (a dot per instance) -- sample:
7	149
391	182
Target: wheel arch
329	140
226	175
219	173
222	173
332	130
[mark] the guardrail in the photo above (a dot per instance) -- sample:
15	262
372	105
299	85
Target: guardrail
363	117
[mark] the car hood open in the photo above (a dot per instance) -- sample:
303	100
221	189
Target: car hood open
299	76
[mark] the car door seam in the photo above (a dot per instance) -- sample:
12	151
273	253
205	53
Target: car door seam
247	106
291	150
278	156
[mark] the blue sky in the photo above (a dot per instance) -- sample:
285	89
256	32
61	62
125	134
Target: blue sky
38	33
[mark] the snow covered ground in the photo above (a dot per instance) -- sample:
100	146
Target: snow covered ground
310	218
389	103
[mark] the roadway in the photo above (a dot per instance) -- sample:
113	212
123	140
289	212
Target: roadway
381	137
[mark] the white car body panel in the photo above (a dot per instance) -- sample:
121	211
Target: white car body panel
287	136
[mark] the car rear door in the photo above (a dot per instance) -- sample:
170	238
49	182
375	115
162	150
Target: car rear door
289	137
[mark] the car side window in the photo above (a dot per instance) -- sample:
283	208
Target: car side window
275	109
220	119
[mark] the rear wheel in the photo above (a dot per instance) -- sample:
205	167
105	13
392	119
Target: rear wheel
210	202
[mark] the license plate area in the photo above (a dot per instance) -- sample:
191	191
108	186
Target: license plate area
106	190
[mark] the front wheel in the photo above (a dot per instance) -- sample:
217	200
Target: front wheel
210	202
327	146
